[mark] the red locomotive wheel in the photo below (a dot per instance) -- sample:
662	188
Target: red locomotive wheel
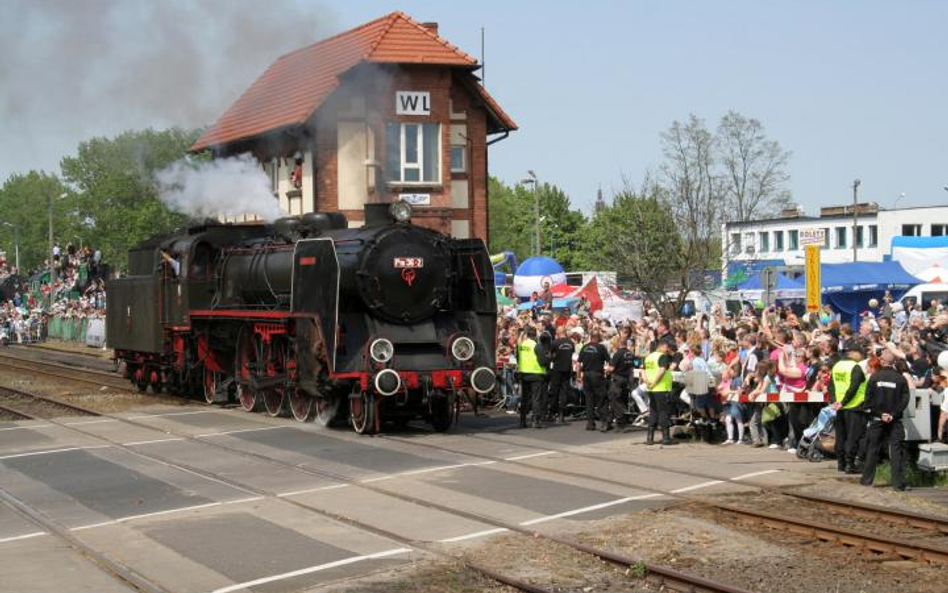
301	405
363	411
250	400
274	398
212	381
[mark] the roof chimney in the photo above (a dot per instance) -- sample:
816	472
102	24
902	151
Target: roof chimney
431	26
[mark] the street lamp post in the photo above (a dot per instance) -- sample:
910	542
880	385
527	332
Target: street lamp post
16	243
536	208
855	218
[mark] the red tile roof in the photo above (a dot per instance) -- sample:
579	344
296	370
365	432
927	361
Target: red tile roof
291	90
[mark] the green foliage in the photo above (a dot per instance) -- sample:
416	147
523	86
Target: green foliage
637	237
512	217
24	204
116	203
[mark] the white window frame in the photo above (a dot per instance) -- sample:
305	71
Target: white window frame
795	244
873	235
420	164
463	148
840	233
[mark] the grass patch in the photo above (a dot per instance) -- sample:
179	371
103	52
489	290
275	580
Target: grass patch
913	476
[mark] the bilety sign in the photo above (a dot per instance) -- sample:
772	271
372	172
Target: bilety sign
812	237
412	103
416	199
813	281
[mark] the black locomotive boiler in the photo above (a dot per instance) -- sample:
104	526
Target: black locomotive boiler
387	322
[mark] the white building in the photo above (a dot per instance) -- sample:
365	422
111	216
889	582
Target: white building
776	241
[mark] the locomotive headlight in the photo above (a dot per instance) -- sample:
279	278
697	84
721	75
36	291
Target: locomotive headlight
462	349
400	210
483	380
381	350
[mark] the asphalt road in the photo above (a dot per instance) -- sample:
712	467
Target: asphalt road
218	513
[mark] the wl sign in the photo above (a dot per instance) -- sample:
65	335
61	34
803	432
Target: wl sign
412	103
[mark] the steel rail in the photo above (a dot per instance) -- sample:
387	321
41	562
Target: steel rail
672	579
47	400
845	537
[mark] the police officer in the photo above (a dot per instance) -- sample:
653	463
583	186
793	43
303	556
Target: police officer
592	359
658	382
887	396
532	363
848	390
560	373
621	366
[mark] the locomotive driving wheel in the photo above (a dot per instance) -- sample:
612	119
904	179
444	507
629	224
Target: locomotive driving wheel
274	398
212	382
363	412
245	364
327	410
301	404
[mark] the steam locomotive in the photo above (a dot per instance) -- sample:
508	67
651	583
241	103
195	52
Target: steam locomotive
306	317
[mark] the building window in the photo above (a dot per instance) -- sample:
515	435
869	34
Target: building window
826	238
458	159
873	235
794	240
859	236
911	230
735	243
764	241
749	243
939	230
413	152
840	237
778	240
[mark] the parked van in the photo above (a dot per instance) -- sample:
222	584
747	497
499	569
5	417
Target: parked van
924	294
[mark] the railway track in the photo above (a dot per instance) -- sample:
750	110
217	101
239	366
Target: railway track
662	576
31	406
63	371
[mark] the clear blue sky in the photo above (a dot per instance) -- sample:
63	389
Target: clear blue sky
855	89
852	88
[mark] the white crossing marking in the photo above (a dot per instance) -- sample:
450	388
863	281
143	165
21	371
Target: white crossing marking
594	507
217	434
27	427
166	512
529	456
311	569
24	536
309	490
755	474
51	451
169	414
476	534
136	443
697	486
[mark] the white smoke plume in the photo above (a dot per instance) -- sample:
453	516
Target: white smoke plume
225	187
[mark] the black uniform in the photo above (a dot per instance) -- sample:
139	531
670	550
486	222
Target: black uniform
560	373
887	393
593	359
623	362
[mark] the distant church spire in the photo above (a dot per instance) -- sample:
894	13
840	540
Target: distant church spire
600	202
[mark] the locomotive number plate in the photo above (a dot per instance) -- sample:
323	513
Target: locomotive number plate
409	262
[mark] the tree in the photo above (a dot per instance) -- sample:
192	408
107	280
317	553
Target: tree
694	195
24	203
637	237
512	219
116	203
754	168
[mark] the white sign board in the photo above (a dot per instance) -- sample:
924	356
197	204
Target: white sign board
416	199
812	237
412	103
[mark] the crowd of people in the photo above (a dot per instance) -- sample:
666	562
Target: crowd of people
722	374
25	313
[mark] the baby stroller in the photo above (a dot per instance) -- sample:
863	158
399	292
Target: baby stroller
819	440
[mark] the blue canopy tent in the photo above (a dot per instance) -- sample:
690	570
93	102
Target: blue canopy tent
849	287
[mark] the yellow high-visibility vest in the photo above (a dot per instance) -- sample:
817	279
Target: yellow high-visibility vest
842	378
652	371
527	358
